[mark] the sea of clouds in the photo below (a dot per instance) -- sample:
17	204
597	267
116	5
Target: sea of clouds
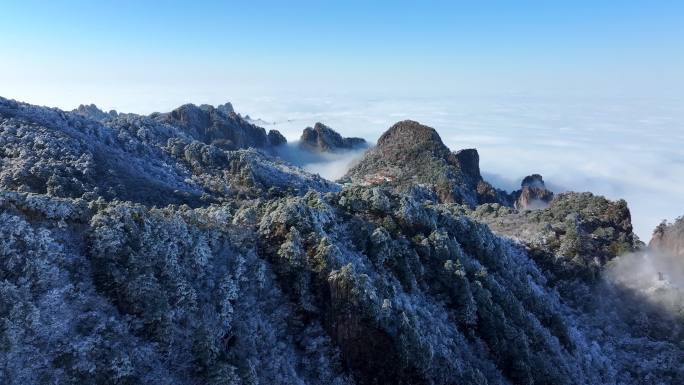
627	148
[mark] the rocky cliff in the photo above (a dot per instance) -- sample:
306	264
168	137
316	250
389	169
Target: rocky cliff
669	238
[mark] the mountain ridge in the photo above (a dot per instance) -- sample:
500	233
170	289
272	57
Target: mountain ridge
155	249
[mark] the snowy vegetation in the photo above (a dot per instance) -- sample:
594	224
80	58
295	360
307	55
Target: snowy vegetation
133	251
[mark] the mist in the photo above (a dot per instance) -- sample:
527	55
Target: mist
650	275
331	166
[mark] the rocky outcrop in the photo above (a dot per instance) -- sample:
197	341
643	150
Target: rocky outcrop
91	111
668	238
410	153
575	236
275	138
219	126
321	138
533	194
468	161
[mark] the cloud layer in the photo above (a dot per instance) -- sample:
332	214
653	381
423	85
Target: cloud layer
331	166
620	148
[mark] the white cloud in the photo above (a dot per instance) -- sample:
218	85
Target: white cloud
620	148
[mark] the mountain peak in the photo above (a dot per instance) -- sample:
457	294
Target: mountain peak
409	134
669	238
92	111
321	138
533	193
534	180
219	126
410	153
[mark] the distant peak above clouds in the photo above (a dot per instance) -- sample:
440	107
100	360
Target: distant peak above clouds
410	154
413	136
220	126
533	193
226	108
321	138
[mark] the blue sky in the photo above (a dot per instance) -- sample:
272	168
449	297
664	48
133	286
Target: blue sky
588	93
317	47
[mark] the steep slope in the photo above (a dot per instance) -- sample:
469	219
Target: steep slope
363	286
321	138
410	153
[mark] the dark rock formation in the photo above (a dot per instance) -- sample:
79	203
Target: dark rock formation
275	138
322	138
533	181
219	126
533	194
410	153
468	161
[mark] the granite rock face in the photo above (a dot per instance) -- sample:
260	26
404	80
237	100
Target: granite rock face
275	138
533	193
410	153
219	126
139	249
669	238
226	108
321	138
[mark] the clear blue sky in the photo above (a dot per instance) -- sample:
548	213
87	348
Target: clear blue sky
91	48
